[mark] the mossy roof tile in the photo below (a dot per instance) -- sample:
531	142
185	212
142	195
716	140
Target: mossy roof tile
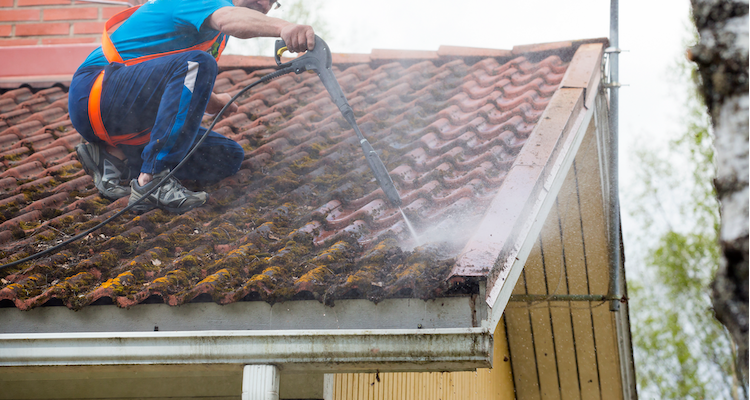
304	217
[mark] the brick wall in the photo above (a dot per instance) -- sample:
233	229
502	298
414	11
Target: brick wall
33	22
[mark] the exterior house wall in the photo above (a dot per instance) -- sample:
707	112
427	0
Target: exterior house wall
483	384
45	22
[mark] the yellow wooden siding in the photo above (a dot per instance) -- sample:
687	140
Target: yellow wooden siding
483	384
594	226
567	350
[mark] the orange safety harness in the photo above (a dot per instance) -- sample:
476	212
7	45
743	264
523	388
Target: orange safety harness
112	55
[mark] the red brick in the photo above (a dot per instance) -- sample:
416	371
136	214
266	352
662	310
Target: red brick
6	3
5	30
92	39
67	14
24	3
18	42
58	28
19	15
80	28
109	12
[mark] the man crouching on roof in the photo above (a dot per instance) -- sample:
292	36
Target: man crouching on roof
139	98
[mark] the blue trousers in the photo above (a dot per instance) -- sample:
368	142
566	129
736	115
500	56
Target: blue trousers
165	98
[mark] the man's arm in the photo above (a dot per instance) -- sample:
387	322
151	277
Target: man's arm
245	23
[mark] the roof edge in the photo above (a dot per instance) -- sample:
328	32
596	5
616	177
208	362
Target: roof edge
556	46
541	198
43	66
519	207
514	204
565	49
510	207
447	312
36	82
458	51
584	71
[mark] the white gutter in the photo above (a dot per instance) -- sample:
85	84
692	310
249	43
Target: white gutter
325	350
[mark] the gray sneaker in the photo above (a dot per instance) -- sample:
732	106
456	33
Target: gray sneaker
171	196
108	171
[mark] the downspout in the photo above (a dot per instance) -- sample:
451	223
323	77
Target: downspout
260	382
614	196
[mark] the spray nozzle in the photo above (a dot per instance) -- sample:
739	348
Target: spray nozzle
319	60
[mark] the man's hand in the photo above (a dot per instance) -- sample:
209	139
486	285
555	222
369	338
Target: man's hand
298	38
245	23
217	102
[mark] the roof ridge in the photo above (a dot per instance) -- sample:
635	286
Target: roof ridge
444	53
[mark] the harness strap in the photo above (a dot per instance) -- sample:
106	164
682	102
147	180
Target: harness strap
95	116
108	48
112	55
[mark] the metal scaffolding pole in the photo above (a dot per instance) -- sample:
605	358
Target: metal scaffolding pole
562	297
614	196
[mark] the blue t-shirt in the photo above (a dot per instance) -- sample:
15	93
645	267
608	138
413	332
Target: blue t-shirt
159	26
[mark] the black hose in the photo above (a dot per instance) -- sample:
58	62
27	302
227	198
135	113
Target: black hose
56	248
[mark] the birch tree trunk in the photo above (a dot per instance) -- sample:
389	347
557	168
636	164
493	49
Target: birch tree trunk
722	59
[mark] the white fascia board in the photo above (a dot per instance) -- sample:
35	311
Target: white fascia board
440	313
326	351
515	260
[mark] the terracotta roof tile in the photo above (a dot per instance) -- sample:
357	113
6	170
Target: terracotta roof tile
30	170
304	217
24	130
17	95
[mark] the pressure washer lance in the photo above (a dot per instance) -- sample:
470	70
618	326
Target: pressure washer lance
319	60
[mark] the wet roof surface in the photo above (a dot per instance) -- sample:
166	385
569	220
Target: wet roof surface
304	217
